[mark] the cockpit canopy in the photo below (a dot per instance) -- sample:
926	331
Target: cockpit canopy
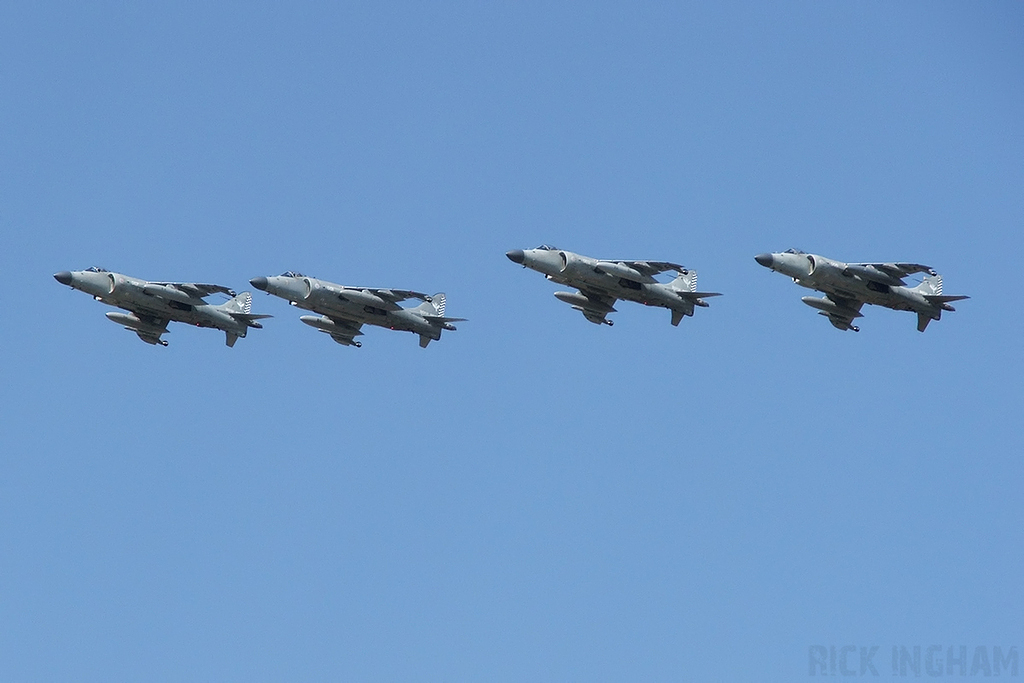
794	251
96	269
547	247
291	273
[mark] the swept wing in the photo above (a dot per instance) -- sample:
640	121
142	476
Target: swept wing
652	268
888	273
845	311
196	290
592	304
148	327
345	330
393	295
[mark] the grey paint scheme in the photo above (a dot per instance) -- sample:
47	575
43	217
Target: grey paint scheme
848	286
344	310
601	283
154	304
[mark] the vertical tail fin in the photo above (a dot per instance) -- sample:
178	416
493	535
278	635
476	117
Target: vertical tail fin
240	304
438	301
434	306
240	309
931	286
686	281
433	312
931	289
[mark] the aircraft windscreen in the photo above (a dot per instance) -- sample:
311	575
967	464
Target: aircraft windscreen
96	269
291	273
793	251
547	247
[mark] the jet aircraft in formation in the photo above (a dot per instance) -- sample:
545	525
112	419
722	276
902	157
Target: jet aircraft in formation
848	286
343	310
152	305
600	284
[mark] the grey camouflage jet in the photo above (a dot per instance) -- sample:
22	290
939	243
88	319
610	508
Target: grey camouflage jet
601	283
848	286
152	305
344	310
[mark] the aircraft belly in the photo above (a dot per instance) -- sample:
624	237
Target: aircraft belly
342	309
651	296
601	288
407	322
870	293
896	303
884	299
873	298
151	311
635	297
569	281
852	293
391	322
889	300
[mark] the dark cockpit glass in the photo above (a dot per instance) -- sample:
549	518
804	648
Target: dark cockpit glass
547	247
793	251
291	273
96	269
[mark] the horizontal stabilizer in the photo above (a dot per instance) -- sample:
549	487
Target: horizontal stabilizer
250	319
441	320
696	298
943	301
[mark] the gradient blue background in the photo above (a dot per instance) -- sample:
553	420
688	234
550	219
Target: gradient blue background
534	497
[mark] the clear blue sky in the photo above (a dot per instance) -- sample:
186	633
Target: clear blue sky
534	497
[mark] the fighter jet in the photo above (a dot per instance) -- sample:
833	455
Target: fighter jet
152	305
848	286
601	283
344	310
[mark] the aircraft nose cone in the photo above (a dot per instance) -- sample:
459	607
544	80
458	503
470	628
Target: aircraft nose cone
516	255
63	277
259	283
764	259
